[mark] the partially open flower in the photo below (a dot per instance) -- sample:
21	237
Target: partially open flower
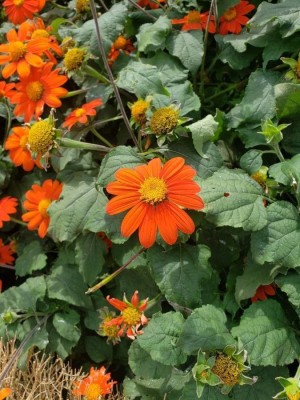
294	73
291	388
80	115
95	386
109	331
8	205
138	111
6	253
82	6
263	292
120	44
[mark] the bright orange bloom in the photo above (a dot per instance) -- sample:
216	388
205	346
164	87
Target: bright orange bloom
6	90
16	144
4	393
8	205
6	257
156	195
262	292
234	18
151	4
18	11
121	43
22	54
80	115
94	386
38	200
41	88
132	315
195	20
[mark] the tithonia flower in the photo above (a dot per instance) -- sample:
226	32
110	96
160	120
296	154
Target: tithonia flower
21	55
4	392
263	292
74	58
42	87
6	254
6	90
132	315
138	111
80	115
121	43
8	205
18	11
151	4
164	120
155	195
195	20
16	144
82	6
111	332
234	18
95	386
41	137
37	202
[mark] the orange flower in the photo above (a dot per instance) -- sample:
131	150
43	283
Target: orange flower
22	54
38	200
262	292
156	195
16	144
41	88
80	115
94	386
121	43
6	90
4	393
151	4
8	205
132	315
234	18
195	20
6	257
18	11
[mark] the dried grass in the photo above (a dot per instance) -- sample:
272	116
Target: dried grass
45	378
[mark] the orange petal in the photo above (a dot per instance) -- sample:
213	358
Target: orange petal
154	167
23	69
183	221
133	219
172	167
148	228
122	203
166	224
192	202
4	393
128	176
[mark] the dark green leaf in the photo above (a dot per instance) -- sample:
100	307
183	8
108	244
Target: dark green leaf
65	324
31	259
152	37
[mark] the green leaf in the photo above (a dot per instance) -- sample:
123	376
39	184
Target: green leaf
290	284
287	99
160	338
203	131
188	47
65	324
65	283
57	344
183	274
152	37
266	334
122	253
98	349
232	198
251	161
31	259
279	241
90	251
205	329
170	69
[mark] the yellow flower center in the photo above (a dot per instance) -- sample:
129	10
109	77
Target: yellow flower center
120	43
82	6
230	14
131	316
40	33
74	59
34	90
110	330
67	43
17	50
41	137
193	16
295	395
23	142
163	120
79	112
138	111
43	206
93	391
226	369
18	3
153	190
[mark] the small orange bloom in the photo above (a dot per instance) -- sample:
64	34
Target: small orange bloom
6	90
4	393
41	88
38	199
121	43
195	20
262	292
21	54
16	144
132	315
234	18
18	11
6	257
80	115
151	4
8	205
155	195
94	386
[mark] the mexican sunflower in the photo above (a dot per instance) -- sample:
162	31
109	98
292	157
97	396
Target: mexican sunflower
6	257
4	393
17	145
18	11
6	90
263	292
42	87
21	54
234	18
195	20
132	315
121	43
80	115
155	195
151	4
97	384
38	199
8	205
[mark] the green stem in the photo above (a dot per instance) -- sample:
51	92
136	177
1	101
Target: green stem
228	89
100	137
17	221
105	121
75	93
95	74
75	144
58	5
278	152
